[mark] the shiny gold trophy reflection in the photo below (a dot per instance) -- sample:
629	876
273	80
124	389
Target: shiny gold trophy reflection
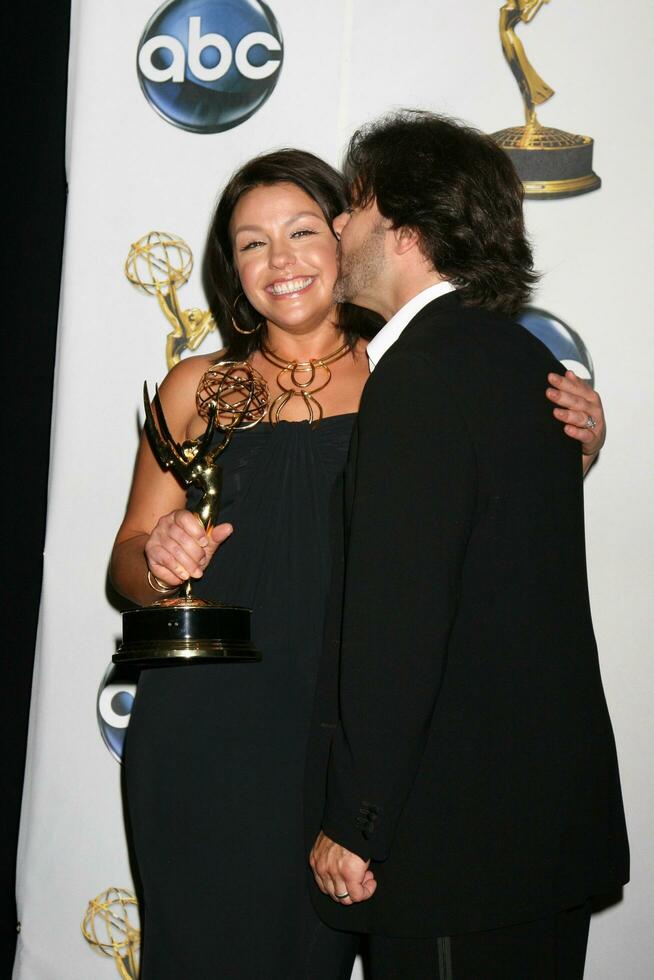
107	927
159	264
550	162
186	629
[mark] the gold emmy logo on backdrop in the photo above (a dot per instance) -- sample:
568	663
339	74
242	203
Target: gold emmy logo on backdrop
160	264
107	928
550	162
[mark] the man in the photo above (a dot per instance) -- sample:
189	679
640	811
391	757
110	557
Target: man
473	801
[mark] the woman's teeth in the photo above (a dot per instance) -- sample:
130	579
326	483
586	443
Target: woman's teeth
290	286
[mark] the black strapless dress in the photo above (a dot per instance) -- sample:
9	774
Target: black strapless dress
215	754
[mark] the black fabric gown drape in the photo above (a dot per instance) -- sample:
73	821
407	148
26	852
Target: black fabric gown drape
215	754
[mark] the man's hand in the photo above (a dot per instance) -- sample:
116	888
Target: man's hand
339	873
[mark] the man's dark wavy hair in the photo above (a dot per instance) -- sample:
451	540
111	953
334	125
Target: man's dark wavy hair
328	189
459	191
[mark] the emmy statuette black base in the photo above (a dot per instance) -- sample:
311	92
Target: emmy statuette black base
177	631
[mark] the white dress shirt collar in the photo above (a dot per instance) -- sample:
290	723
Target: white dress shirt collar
392	330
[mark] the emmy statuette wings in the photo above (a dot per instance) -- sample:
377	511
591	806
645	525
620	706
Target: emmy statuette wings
187	629
192	462
550	162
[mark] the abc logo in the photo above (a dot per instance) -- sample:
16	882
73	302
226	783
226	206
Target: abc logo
114	707
208	65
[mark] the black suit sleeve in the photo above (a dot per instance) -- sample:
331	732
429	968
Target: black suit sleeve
412	511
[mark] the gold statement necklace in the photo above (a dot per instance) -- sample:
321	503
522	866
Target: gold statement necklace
316	375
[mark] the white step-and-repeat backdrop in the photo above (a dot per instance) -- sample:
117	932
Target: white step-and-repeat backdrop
155	126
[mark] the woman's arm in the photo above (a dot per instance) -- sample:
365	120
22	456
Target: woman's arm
158	534
576	402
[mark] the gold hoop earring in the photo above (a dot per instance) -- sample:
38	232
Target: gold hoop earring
238	329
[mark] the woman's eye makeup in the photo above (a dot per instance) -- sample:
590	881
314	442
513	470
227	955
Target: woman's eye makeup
299	233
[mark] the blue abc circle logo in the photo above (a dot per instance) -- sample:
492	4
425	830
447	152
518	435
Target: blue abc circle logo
208	65
114	707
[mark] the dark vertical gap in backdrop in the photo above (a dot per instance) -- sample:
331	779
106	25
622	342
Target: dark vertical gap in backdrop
34	198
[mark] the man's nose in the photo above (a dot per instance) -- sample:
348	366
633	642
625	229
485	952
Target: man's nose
340	222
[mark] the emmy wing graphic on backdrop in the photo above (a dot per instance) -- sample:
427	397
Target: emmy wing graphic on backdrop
160	264
550	162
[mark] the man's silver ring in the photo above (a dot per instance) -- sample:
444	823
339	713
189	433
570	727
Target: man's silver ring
590	422
346	895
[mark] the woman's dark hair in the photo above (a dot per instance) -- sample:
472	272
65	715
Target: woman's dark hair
459	191
328	189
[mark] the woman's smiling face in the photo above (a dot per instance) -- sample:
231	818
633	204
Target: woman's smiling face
285	255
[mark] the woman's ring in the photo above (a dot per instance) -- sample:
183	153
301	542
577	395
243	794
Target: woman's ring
346	895
590	422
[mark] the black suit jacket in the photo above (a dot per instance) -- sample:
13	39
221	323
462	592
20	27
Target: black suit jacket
474	761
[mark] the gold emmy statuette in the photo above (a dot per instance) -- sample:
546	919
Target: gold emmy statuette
550	162
186	629
107	928
160	264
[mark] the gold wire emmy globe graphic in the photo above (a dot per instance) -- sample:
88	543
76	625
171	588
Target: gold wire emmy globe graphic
160	264
108	928
158	261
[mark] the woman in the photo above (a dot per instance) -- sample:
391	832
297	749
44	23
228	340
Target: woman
214	756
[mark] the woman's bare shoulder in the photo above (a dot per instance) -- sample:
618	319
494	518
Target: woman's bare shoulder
187	372
178	388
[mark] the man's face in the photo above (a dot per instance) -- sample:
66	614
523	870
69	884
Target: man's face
362	234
